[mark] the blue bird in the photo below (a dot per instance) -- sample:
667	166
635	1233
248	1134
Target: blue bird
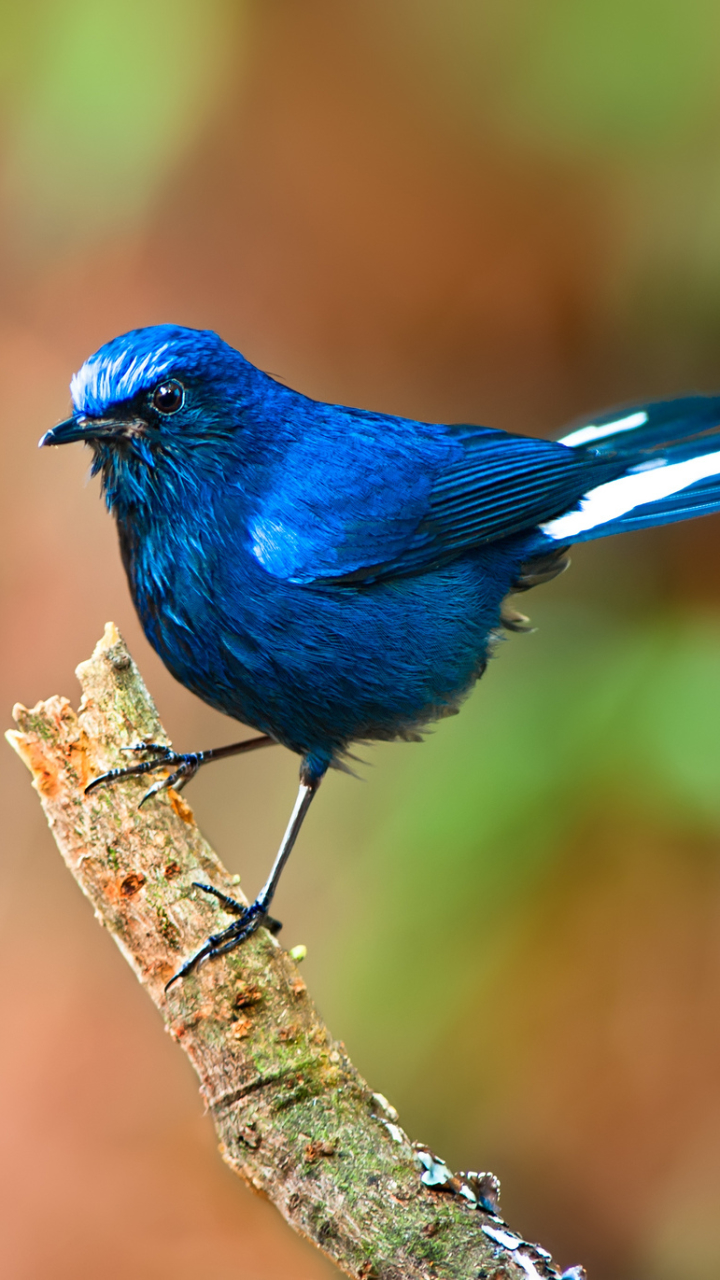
327	574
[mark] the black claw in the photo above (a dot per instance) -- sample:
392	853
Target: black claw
96	782
112	775
190	964
185	773
165	757
230	904
152	792
171	780
218	944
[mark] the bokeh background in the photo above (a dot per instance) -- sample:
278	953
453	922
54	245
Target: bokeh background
464	210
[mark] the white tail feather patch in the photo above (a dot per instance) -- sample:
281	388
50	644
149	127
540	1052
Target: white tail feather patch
614	499
586	435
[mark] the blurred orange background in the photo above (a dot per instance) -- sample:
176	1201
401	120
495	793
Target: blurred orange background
456	210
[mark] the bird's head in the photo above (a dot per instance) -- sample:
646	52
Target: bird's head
163	392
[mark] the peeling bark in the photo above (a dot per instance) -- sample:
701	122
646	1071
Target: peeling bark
294	1118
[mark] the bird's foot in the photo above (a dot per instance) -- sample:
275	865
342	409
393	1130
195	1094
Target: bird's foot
249	919
182	768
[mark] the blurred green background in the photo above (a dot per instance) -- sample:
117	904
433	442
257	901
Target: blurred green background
476	210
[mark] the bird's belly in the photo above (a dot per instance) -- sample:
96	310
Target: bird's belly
318	668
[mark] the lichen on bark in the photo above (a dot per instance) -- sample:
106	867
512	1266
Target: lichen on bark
295	1119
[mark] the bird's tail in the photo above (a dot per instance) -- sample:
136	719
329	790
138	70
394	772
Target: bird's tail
672	454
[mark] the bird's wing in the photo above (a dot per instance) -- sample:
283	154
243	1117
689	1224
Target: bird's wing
381	503
502	485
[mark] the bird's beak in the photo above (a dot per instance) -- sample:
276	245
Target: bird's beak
85	429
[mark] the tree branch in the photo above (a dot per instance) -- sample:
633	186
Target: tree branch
294	1118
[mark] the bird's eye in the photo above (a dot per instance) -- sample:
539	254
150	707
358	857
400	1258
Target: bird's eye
168	397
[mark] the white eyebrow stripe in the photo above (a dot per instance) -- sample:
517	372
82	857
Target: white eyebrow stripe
617	497
101	382
585	435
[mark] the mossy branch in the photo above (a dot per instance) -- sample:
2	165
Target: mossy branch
294	1118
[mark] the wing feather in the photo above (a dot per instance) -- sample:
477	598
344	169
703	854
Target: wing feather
498	485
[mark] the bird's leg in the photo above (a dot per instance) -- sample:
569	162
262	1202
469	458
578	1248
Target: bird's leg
250	918
183	766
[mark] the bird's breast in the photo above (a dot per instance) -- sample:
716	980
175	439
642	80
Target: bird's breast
315	668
